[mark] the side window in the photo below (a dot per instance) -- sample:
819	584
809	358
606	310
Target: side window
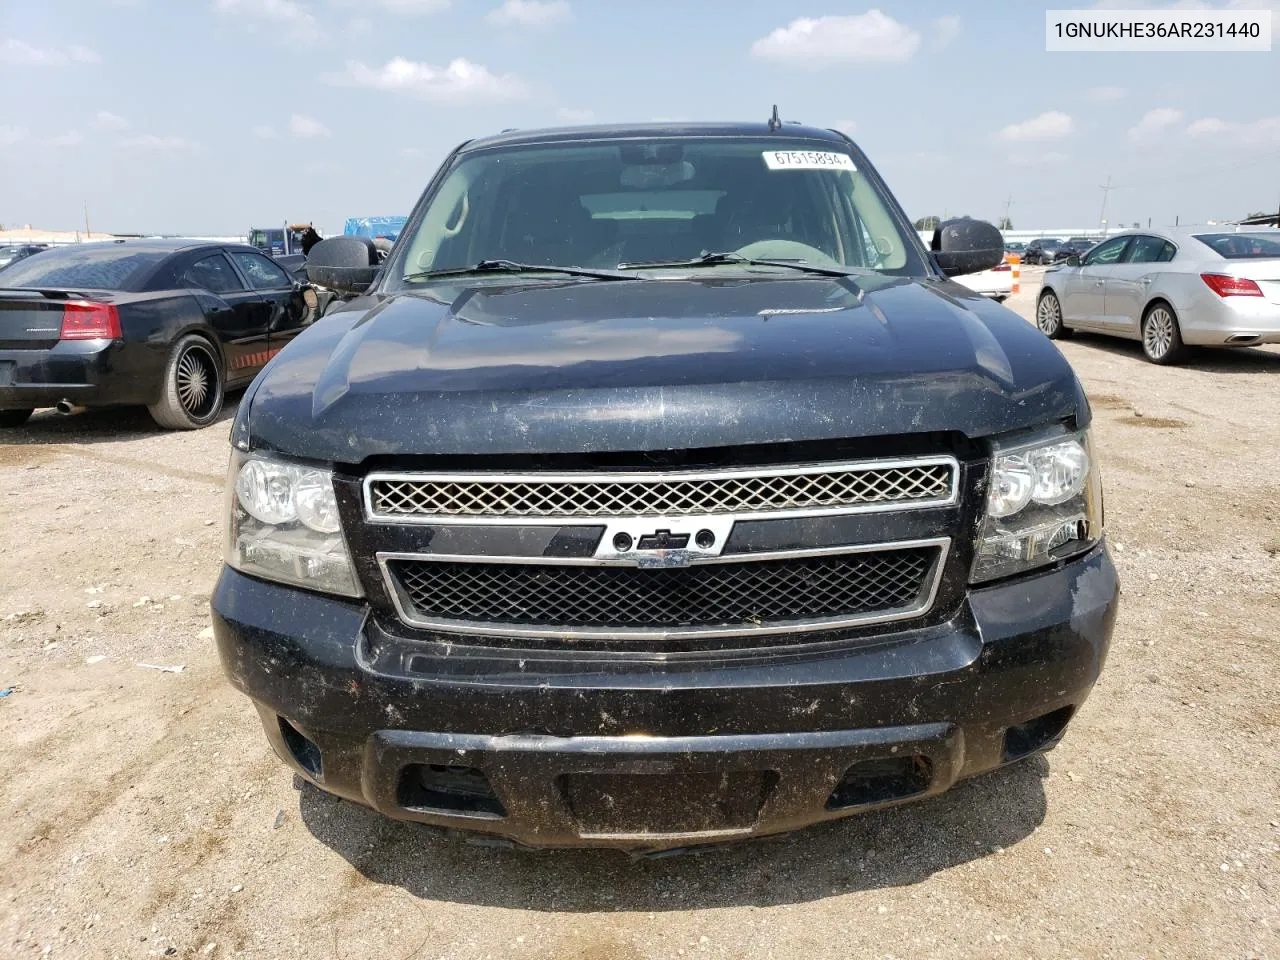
1147	250
1107	253
213	274
1166	252
262	273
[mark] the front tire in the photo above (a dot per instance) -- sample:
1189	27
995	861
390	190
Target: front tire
14	418
1049	317
1161	336
192	393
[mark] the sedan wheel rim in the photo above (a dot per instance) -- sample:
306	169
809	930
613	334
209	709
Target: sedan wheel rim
1158	336
196	381
1047	315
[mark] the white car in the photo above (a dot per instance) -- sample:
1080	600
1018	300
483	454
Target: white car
996	283
1206	286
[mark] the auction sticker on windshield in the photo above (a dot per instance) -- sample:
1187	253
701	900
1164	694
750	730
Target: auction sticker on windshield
807	160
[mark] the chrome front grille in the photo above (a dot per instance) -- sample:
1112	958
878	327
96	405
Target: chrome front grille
771	491
732	595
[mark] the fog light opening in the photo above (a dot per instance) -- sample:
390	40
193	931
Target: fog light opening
881	780
305	753
1038	734
460	791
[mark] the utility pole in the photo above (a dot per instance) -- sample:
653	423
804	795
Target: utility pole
1008	204
87	234
1102	217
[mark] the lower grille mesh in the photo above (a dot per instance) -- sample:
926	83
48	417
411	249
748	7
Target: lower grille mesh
746	594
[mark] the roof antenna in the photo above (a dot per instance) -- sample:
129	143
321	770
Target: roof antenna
775	121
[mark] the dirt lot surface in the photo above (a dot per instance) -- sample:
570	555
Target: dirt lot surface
144	815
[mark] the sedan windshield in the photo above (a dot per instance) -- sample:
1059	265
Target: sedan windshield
107	266
1243	246
642	204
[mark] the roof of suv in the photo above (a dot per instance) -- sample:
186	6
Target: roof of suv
788	130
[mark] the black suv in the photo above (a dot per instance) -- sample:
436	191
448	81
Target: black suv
660	488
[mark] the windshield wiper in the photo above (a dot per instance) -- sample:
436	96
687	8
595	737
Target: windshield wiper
511	266
715	259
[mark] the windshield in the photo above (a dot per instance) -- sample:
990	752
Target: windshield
639	202
108	267
1243	246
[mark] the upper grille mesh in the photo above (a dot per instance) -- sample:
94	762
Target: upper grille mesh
749	594
660	496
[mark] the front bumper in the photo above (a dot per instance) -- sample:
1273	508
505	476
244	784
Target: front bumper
85	372
632	750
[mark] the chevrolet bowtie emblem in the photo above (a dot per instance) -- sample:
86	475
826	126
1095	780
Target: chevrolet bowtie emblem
663	540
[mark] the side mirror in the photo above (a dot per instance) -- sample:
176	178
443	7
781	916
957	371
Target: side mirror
1073	260
966	246
345	264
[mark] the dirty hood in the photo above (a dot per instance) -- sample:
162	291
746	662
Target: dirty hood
539	367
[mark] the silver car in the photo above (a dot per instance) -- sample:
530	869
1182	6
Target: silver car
1206	286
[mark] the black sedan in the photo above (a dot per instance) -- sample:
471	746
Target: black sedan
1042	250
171	324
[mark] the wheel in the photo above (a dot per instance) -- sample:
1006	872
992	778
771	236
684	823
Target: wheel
1161	338
14	418
1049	317
191	395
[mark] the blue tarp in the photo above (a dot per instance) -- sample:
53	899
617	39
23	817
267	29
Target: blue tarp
374	227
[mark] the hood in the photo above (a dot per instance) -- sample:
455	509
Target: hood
537	367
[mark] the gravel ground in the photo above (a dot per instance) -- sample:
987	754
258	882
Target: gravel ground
144	815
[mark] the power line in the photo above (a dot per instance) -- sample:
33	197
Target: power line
1204	172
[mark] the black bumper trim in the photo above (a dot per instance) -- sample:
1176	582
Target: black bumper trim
949	692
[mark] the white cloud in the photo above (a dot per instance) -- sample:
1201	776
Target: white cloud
1262	132
72	138
572	115
359	25
307	128
944	30
106	120
1051	125
460	80
22	54
151	141
530	13
1207	126
1153	123
10	136
291	16
1103	94
264	132
871	36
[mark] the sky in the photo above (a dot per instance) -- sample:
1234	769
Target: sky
214	116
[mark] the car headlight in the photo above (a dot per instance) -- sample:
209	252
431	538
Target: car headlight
284	525
1044	503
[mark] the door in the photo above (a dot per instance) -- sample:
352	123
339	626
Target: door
1125	288
1084	304
288	312
239	315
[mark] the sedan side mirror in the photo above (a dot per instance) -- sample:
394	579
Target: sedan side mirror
1073	260
964	246
345	264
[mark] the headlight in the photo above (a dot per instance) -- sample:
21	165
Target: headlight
284	525
1044	503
